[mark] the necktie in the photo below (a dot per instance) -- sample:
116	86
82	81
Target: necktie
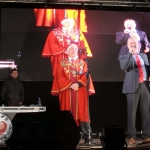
141	74
68	32
73	61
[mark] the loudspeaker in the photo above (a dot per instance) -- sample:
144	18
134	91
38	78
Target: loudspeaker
113	137
54	130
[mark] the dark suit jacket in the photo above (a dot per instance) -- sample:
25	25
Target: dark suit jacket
128	64
121	38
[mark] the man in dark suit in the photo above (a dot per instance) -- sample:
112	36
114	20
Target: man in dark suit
135	64
130	31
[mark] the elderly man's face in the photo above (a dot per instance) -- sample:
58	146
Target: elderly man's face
72	51
68	25
133	44
130	25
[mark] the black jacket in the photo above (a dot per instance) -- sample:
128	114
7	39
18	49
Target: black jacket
12	91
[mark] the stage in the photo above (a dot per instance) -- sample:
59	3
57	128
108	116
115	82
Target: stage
96	145
63	119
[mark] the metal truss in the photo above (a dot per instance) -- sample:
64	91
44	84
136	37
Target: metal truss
82	3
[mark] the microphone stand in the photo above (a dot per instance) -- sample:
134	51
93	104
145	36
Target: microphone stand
87	87
88	131
82	51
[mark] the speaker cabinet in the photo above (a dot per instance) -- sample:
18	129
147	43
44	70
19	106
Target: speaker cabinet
113	137
53	130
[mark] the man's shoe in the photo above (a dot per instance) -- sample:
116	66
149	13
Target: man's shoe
147	140
87	143
131	141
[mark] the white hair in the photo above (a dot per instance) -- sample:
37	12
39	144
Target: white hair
67	20
129	21
72	45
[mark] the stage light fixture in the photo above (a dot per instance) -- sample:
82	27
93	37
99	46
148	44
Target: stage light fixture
113	137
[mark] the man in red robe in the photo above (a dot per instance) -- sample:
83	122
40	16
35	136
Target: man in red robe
73	84
59	39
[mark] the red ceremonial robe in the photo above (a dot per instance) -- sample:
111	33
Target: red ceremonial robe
57	43
74	101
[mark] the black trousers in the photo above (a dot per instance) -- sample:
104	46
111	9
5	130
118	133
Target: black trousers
86	130
142	95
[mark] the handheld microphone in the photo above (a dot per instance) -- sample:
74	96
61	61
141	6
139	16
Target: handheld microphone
132	48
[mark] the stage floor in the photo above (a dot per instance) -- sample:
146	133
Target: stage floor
97	145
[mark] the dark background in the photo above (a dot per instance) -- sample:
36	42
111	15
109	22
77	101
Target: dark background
19	33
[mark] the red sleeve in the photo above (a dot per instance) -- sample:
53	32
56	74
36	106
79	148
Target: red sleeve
52	47
83	80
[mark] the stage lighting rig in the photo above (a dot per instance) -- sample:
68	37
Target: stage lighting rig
86	4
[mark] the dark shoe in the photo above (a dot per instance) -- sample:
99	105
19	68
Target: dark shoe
131	141
87	143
